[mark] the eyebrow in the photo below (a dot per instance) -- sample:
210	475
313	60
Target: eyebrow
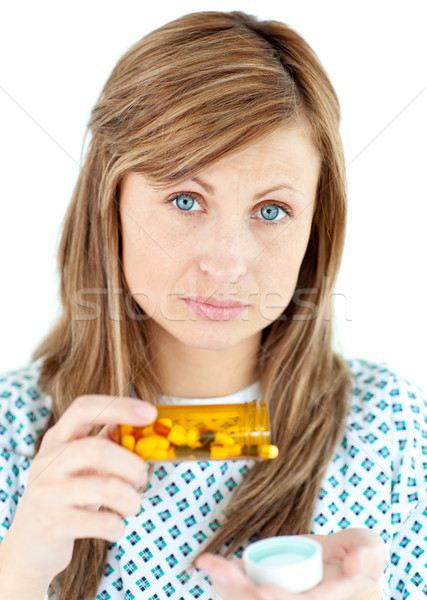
280	186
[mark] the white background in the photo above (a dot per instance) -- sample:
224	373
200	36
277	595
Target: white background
55	58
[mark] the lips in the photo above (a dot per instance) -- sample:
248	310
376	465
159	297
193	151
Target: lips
224	312
228	303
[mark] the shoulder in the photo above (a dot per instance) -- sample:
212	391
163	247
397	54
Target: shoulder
387	431
24	409
373	376
384	402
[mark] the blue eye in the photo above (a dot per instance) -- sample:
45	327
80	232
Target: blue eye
270	212
186	201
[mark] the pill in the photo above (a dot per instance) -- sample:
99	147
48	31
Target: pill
234	450
160	442
128	442
222	439
219	452
126	429
159	454
163	427
269	451
193	438
145	446
178	435
149	430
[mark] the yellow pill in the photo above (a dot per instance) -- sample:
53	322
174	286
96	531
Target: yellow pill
268	451
160	442
219	452
149	455
125	429
146	431
165	421
234	450
145	446
193	438
171	452
128	442
178	435
222	439
160	454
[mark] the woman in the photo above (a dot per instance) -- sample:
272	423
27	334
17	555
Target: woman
214	176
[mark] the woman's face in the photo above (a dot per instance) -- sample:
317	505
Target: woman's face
238	233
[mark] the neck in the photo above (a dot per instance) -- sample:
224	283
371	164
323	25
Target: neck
189	372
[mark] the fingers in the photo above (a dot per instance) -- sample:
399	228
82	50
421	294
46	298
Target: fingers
232	583
354	560
227	578
364	551
96	409
110	492
356	549
93	454
79	523
368	560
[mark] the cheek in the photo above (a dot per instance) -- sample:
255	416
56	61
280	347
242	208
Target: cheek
147	249
276	290
278	275
153	262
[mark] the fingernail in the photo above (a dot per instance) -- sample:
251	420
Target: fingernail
146	411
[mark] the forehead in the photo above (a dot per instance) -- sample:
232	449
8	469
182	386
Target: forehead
286	154
285	145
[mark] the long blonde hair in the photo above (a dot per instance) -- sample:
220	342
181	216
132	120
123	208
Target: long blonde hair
187	94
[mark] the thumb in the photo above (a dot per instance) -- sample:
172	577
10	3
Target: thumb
365	560
356	562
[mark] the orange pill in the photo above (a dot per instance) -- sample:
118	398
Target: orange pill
161	429
126	429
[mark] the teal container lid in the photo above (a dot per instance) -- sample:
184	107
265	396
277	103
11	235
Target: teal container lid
291	562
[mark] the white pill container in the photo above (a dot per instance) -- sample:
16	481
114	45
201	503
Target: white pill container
291	562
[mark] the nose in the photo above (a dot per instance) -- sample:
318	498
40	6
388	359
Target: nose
223	257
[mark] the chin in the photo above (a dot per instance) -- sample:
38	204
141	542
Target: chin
217	336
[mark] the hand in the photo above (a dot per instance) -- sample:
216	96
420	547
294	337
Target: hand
353	561
71	473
